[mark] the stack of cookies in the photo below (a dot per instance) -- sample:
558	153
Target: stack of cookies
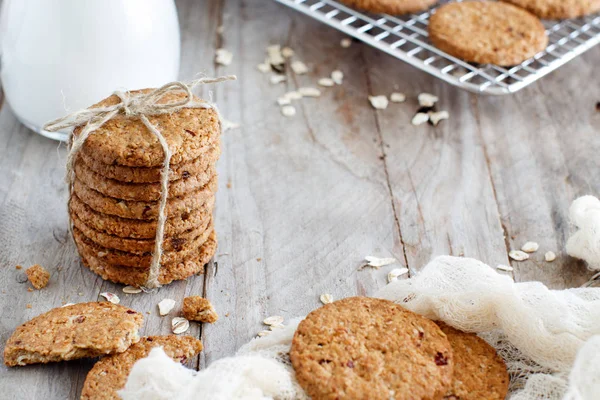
114	204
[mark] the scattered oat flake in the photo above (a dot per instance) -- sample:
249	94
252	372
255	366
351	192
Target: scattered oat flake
165	306
427	100
309	92
419	119
179	325
18	267
275	56
288	111
273	320
293	95
299	67
518	255
397	97
504	267
337	76
284	101
345	43
67	304
379	102
287	52
263	333
327	82
550	256
131	290
379	262
223	57
436	117
530	247
275	79
275	327
263	67
326	298
113	298
395	273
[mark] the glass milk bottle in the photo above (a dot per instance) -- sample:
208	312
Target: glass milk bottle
59	56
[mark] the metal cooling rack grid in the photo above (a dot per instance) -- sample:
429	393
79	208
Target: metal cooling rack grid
406	38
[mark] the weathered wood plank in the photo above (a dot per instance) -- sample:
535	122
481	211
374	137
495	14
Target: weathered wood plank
542	145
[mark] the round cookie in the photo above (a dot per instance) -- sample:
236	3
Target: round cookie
109	375
366	348
146	210
172	243
558	9
126	141
140	191
479	372
393	7
148	175
138	229
71	332
167	274
487	32
138	260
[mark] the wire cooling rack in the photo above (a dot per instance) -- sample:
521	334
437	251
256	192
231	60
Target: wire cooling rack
405	37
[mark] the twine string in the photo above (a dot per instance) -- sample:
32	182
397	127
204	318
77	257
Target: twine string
139	105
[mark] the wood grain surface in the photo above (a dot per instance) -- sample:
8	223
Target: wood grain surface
302	200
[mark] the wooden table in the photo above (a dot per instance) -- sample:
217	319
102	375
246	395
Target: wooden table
302	200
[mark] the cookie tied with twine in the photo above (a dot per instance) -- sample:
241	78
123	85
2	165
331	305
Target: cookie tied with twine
161	112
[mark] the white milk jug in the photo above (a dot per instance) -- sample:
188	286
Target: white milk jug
59	56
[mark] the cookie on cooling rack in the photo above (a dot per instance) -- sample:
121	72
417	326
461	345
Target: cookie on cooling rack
487	32
558	9
479	372
366	348
393	7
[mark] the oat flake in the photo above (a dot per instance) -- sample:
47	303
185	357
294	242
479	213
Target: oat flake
165	306
223	57
287	52
179	325
294	95
550	256
345	43
299	67
113	298
263	333
427	100
309	92
398	97
419	119
288	111
275	79
284	101
327	82
337	76
530	247
131	290
273	320
502	267
275	327
436	117
395	273
379	262
379	102
326	298
518	255
263	67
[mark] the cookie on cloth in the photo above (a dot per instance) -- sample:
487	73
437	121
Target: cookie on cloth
479	372
146	210
393	7
149	175
109	375
558	9
487	32
127	141
366	348
139	229
140	259
141	191
75	331
167	273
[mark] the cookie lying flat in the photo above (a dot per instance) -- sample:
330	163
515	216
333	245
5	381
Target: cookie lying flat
558	9
146	210
394	7
487	32
148	175
167	273
365	348
479	372
71	332
109	375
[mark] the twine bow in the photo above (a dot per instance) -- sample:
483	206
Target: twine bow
137	105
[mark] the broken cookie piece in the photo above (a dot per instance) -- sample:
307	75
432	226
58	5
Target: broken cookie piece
72	332
196	308
109	375
38	276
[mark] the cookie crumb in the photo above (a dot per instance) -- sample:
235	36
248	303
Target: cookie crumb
30	289
179	325
550	256
345	43
18	267
397	97
28	306
38	276
326	298
518	255
379	102
196	308
530	247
